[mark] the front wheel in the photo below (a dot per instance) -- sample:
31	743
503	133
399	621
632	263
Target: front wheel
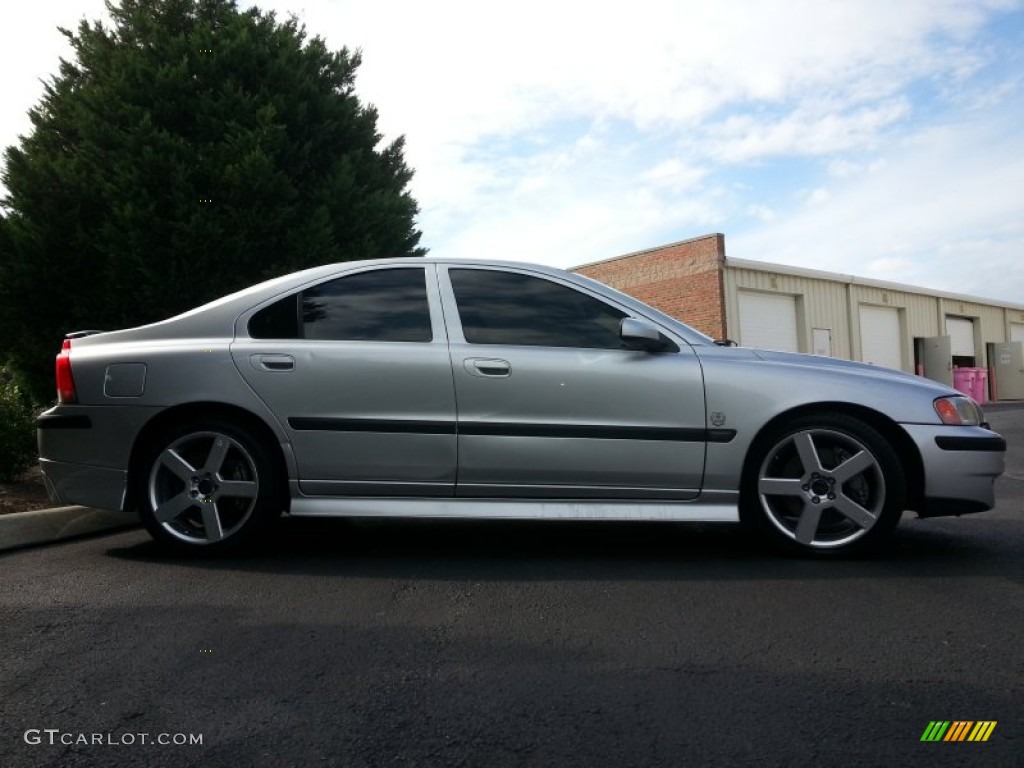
823	484
209	486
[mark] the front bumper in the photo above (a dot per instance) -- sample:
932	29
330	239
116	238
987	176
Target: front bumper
961	465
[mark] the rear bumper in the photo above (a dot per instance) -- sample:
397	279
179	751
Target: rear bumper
84	452
89	486
961	465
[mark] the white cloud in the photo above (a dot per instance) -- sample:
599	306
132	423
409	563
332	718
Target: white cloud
818	196
698	83
944	211
453	73
803	132
674	174
842	168
559	208
760	212
568	132
885	268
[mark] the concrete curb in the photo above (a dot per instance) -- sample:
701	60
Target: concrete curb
45	526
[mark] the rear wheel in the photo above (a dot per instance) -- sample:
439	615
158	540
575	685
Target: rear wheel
824	484
209	486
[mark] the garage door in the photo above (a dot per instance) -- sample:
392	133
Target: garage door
1016	331
768	321
961	335
880	340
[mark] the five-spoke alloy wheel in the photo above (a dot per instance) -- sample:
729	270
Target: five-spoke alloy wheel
824	483
208	485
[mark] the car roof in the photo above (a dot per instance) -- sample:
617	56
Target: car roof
217	318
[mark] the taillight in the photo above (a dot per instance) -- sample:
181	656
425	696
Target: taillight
65	381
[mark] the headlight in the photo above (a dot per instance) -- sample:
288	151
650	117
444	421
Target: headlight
959	410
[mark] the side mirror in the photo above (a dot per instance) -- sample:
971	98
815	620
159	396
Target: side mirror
639	334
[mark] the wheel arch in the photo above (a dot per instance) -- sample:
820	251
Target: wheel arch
905	448
194	412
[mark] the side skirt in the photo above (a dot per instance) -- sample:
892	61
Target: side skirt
711	507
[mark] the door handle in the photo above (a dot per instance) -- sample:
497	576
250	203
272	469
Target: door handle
274	363
490	368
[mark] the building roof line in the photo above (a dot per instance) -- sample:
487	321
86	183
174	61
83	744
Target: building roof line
648	250
817	274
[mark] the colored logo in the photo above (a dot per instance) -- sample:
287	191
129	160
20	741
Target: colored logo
958	730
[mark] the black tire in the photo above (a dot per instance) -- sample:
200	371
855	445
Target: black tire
823	484
208	486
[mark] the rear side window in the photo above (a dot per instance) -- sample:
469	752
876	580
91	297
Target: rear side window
278	321
511	308
381	305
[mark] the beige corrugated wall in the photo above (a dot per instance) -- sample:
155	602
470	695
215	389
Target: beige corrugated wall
835	305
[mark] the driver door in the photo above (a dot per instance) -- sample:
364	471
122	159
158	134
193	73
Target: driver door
550	404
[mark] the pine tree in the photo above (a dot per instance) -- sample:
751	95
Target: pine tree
186	150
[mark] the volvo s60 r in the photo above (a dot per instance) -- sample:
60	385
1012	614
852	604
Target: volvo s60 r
444	388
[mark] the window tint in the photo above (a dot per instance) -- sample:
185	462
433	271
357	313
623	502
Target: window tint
382	305
278	321
510	308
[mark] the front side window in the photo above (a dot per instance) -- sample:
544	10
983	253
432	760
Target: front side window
381	305
511	308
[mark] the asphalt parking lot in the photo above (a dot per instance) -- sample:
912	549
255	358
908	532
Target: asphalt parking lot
483	644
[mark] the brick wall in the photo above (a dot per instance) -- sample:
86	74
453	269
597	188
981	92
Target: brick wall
682	279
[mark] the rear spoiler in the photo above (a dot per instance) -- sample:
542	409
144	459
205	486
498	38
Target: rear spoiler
81	334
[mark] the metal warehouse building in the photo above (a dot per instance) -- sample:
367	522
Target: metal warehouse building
975	344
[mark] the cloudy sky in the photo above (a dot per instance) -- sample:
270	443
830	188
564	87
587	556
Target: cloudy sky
882	139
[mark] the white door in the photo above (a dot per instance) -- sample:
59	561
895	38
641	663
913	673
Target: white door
821	342
937	359
768	321
1008	362
961	333
880	339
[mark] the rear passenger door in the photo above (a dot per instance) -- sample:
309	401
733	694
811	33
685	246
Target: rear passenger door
356	369
551	405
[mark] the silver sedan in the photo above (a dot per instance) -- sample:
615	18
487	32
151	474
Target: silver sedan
433	388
